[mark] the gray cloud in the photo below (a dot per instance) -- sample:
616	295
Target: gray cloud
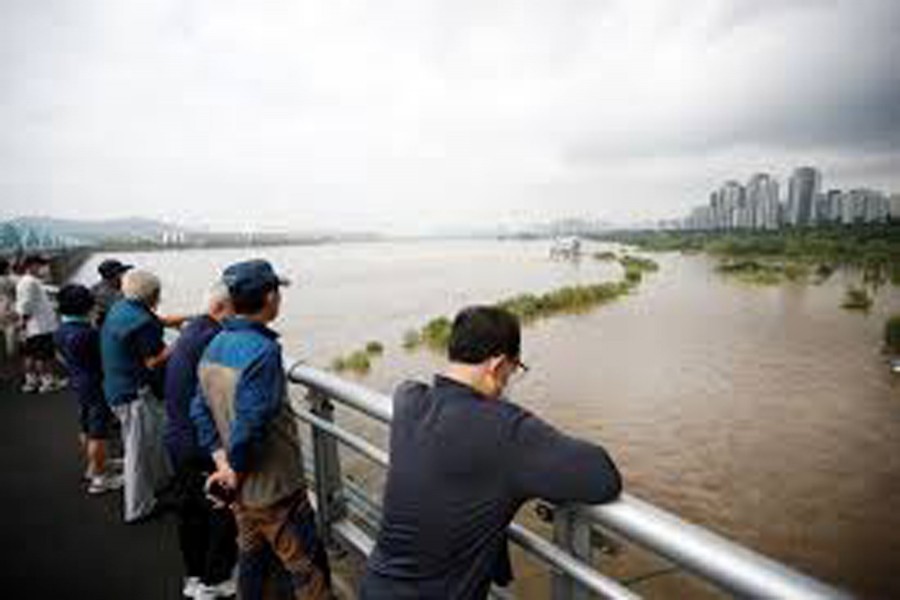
356	114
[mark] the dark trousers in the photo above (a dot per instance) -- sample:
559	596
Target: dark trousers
207	535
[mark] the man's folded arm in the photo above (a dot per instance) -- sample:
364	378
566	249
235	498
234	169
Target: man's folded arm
549	464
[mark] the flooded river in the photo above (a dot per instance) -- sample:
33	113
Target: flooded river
764	413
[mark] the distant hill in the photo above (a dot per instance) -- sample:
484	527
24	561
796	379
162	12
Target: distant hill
43	233
89	232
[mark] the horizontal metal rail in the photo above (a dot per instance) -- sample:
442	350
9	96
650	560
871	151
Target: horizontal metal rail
583	573
713	558
735	568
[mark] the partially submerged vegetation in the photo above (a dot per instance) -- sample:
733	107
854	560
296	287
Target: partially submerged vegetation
871	248
573	299
435	335
360	361
793	254
856	298
760	272
635	267
606	256
892	334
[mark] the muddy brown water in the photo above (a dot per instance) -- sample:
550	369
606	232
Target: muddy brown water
766	414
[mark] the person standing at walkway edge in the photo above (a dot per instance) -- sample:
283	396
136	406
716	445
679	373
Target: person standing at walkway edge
206	533
462	462
244	422
78	343
134	356
108	290
39	322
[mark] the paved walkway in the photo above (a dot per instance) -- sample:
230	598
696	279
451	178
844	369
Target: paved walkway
58	541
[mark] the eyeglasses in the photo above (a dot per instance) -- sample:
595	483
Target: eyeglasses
520	369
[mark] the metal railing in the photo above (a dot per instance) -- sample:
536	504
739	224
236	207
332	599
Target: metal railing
728	566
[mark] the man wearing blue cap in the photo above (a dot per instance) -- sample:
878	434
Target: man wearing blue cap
244	422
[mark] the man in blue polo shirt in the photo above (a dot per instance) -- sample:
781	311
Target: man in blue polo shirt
244	422
134	356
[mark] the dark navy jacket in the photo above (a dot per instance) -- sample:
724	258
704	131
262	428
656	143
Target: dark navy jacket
79	344
181	387
461	466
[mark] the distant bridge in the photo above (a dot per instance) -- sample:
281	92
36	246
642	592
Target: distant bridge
18	238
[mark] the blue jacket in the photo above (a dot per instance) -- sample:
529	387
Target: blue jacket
241	407
130	335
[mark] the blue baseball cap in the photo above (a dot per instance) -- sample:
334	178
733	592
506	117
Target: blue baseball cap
251	276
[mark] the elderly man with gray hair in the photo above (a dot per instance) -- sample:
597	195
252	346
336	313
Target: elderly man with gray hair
207	534
134	357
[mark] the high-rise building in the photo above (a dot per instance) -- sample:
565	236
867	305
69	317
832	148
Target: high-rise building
701	218
830	207
762	201
731	197
803	188
894	207
877	207
719	216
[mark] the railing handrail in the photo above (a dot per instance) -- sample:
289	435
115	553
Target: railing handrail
712	557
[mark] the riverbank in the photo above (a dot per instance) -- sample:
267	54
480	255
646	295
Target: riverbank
864	245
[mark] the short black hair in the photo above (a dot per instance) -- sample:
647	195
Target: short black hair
4	266
250	303
75	300
480	332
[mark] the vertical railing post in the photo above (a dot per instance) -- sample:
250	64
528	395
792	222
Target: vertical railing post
572	532
330	501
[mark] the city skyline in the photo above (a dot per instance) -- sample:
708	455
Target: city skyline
804	202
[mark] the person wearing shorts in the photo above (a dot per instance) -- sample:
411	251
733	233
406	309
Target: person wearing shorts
39	322
78	343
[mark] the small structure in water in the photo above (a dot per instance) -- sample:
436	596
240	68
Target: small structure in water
568	248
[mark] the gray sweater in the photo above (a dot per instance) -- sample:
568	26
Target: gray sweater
461	466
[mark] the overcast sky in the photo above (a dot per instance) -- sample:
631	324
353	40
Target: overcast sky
419	114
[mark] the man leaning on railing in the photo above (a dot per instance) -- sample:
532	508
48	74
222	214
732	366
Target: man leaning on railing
462	462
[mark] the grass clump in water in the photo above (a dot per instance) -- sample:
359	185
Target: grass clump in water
359	362
436	333
856	298
638	263
411	339
892	334
753	271
572	299
607	256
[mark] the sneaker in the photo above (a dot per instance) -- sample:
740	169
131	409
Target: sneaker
226	589
49	384
191	585
104	483
31	384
